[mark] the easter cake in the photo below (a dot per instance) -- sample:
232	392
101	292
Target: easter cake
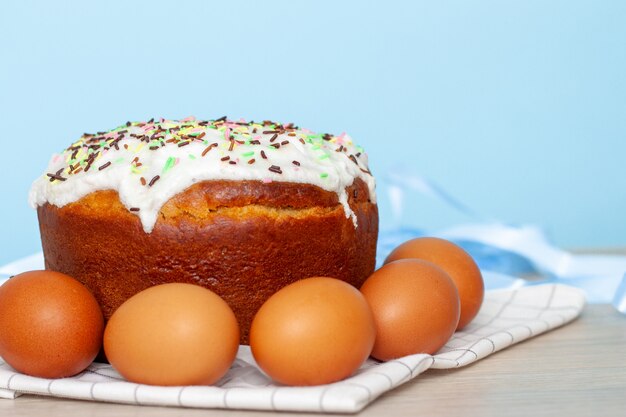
241	208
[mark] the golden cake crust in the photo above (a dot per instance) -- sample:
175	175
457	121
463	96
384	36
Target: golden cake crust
244	240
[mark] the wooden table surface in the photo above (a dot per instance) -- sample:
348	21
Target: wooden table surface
577	370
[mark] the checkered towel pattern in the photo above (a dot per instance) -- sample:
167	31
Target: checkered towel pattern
507	317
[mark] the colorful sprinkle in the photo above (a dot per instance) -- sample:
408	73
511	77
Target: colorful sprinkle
169	164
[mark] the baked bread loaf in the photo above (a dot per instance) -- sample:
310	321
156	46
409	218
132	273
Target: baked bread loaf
241	208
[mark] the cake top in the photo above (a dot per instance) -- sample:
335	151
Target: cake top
147	163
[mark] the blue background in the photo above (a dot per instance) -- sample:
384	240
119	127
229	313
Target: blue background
516	108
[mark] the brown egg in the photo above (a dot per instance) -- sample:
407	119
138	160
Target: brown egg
415	306
456	262
50	324
314	331
172	334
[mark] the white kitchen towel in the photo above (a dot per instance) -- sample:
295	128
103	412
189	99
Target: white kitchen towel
507	317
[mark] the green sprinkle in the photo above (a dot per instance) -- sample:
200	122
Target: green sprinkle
247	154
323	175
119	160
325	156
315	147
169	164
191	156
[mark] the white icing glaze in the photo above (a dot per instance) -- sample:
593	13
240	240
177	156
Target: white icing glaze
125	155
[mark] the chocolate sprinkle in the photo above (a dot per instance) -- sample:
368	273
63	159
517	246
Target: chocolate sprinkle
208	148
275	169
56	177
104	166
153	180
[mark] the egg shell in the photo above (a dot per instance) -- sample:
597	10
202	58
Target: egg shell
315	331
416	308
50	324
172	334
456	262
